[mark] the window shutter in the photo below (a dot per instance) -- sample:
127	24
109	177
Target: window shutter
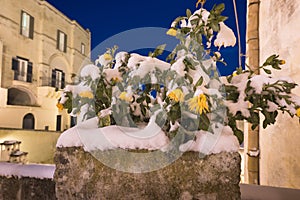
63	80
57	40
65	44
29	72
31	27
15	64
21	22
53	78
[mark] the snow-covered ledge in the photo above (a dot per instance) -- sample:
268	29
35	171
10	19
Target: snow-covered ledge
79	175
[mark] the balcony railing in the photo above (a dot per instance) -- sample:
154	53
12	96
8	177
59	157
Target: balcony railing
46	81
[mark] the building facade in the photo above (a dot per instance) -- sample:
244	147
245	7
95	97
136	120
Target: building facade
273	28
280	150
40	50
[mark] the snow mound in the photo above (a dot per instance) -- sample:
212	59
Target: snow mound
28	170
90	137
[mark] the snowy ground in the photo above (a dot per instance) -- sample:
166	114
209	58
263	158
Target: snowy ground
28	170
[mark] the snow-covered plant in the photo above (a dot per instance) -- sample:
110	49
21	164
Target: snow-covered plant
185	93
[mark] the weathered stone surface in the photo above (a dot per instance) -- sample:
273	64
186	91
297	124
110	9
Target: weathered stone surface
26	188
80	176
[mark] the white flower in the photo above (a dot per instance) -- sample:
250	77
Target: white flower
225	37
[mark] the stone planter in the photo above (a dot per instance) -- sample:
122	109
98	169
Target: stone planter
79	175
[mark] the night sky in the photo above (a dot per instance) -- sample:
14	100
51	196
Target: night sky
108	18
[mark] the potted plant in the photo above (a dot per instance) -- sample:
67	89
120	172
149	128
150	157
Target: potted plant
174	120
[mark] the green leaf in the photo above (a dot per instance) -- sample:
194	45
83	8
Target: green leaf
239	134
199	82
188	64
204	122
188	13
140	100
143	110
215	27
189	78
159	50
148	99
222	18
219	8
267	71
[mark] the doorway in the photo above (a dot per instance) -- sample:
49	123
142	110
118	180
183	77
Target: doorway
28	121
58	123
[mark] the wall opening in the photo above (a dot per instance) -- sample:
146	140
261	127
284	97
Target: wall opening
28	121
19	97
58	123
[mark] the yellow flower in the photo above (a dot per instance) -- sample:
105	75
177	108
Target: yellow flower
115	80
198	104
86	94
172	32
60	106
282	62
125	97
107	56
200	1
298	112
176	95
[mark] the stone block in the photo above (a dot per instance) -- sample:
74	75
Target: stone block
79	175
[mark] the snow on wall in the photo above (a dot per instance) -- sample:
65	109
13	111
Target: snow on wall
27	170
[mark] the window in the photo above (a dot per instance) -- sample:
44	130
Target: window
61	41
58	79
27	25
22	69
82	48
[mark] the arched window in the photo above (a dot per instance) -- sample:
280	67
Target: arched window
20	97
28	121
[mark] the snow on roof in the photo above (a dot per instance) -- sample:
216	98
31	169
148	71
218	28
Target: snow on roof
27	170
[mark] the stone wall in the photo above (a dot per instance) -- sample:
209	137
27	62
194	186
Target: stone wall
26	188
79	175
279	34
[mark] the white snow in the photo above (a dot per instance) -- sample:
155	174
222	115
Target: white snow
112	74
90	71
105	112
75	90
240	105
111	137
258	81
88	136
213	143
145	65
174	127
27	170
225	37
295	99
272	107
102	61
120	59
240	81
179	67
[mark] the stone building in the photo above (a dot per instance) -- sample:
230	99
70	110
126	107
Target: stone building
280	148
273	28
40	49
